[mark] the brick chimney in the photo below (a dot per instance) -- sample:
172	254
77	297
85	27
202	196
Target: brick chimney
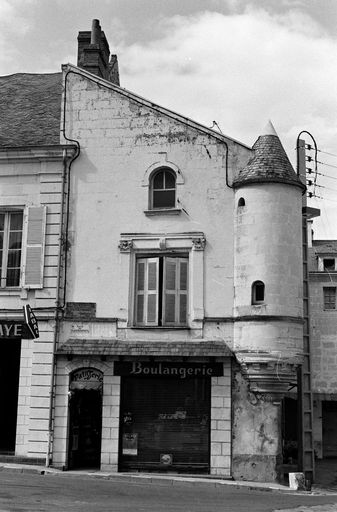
93	54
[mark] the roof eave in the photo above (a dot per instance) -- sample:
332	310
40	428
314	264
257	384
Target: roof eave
253	181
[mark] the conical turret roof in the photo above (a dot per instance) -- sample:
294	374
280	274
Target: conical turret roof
269	163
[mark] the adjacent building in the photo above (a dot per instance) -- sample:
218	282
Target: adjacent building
169	291
323	309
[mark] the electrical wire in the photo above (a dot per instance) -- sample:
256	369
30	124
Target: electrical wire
325	152
310	171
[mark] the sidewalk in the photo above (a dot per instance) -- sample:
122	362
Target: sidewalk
169	479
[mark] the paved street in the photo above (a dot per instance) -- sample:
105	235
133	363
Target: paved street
62	493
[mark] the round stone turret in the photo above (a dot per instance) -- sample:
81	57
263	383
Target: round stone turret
268	266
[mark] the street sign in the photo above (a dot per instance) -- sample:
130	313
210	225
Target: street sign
31	321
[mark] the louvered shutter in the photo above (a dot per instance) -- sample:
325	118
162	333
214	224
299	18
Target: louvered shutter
147	291
182	290
175	291
170	291
34	255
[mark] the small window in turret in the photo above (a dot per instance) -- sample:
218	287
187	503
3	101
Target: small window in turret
258	292
241	202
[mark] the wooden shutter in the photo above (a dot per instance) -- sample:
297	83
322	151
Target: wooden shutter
175	291
182	290
34	255
147	291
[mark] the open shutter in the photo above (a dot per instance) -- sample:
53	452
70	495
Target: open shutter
182	290
34	254
147	291
175	291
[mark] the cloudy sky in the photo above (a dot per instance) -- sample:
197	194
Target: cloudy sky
236	62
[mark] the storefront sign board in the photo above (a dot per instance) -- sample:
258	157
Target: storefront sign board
173	370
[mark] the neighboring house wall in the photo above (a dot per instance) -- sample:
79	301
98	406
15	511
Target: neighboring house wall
323	313
31	182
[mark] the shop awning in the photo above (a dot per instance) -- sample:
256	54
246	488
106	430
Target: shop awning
108	347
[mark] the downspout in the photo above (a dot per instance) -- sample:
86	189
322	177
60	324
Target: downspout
63	247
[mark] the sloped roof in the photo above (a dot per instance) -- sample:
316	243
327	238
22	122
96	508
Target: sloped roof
149	348
269	163
325	246
30	109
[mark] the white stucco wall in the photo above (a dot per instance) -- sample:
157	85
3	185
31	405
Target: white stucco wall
120	140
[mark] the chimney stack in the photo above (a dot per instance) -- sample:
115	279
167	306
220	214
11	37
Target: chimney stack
93	54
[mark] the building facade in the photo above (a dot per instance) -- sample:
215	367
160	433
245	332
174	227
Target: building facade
33	164
323	344
176	313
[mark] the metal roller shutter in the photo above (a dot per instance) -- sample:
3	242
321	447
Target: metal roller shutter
165	424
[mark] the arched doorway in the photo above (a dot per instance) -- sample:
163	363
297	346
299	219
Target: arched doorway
85	418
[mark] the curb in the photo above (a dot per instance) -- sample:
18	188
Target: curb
163	480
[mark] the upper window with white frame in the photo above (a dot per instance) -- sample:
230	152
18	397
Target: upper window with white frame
163	189
22	240
161	291
11	226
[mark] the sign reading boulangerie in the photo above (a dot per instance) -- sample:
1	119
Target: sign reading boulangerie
176	370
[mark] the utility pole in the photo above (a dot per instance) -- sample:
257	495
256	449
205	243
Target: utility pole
306	454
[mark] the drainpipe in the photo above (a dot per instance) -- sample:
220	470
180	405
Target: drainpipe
63	245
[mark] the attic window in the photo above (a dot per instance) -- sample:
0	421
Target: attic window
257	292
241	202
163	189
329	264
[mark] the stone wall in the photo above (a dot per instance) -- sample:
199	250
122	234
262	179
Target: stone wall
256	433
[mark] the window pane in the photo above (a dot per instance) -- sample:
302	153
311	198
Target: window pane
15	240
329	264
14	259
16	221
164	198
1	240
152	277
170	181
2	221
259	292
140	309
183	309
151	308
141	275
170	307
158	180
329	294
170	271
183	275
13	277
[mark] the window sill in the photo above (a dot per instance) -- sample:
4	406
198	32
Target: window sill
163	211
10	291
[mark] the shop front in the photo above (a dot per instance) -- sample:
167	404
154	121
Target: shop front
165	413
12	331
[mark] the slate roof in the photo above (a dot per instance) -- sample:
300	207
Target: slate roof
30	109
325	246
269	163
149	348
